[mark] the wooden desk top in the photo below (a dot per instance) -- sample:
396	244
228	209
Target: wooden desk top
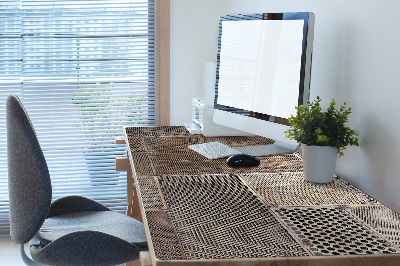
197	210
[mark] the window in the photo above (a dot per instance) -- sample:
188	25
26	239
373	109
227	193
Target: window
83	70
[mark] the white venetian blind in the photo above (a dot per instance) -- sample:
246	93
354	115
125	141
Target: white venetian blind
83	70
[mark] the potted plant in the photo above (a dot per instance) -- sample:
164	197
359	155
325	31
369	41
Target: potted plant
323	135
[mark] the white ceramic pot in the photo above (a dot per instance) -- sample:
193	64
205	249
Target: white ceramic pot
319	163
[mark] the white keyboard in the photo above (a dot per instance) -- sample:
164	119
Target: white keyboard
214	150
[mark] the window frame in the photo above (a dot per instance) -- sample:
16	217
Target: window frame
163	15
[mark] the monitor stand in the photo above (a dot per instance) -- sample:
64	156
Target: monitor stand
264	150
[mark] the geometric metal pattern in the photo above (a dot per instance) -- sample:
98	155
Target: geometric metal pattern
162	156
382	219
142	164
332	231
290	189
198	208
151	196
166	244
216	216
167	131
137	145
283	163
173	156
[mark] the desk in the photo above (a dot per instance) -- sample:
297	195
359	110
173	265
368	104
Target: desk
199	211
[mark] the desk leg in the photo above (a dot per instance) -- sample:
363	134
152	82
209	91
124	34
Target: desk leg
144	260
130	191
133	263
133	200
133	210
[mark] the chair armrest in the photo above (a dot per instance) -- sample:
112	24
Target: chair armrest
72	204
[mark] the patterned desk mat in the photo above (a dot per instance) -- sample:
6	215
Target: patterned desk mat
217	216
158	153
201	209
220	216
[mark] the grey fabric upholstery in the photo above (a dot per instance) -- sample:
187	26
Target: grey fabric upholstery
77	231
28	176
103	221
72	204
85	248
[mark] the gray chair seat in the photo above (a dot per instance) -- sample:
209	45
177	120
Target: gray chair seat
107	222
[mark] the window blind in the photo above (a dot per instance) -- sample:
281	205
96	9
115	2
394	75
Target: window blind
83	70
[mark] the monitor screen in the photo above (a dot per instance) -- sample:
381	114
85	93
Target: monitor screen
263	71
260	63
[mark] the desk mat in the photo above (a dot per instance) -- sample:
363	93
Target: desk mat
291	189
333	231
384	220
197	208
217	216
161	154
165	131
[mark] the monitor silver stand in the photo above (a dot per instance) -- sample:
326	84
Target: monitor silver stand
264	150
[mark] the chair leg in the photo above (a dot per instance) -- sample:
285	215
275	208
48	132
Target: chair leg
26	259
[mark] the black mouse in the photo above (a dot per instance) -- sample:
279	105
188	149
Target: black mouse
242	160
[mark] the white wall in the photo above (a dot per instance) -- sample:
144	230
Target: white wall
194	41
356	59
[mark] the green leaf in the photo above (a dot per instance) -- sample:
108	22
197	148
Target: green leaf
312	126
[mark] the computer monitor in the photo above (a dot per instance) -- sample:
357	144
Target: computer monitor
263	73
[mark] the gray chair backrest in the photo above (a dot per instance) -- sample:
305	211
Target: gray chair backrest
29	182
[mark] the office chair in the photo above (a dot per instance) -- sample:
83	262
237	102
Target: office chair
70	231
